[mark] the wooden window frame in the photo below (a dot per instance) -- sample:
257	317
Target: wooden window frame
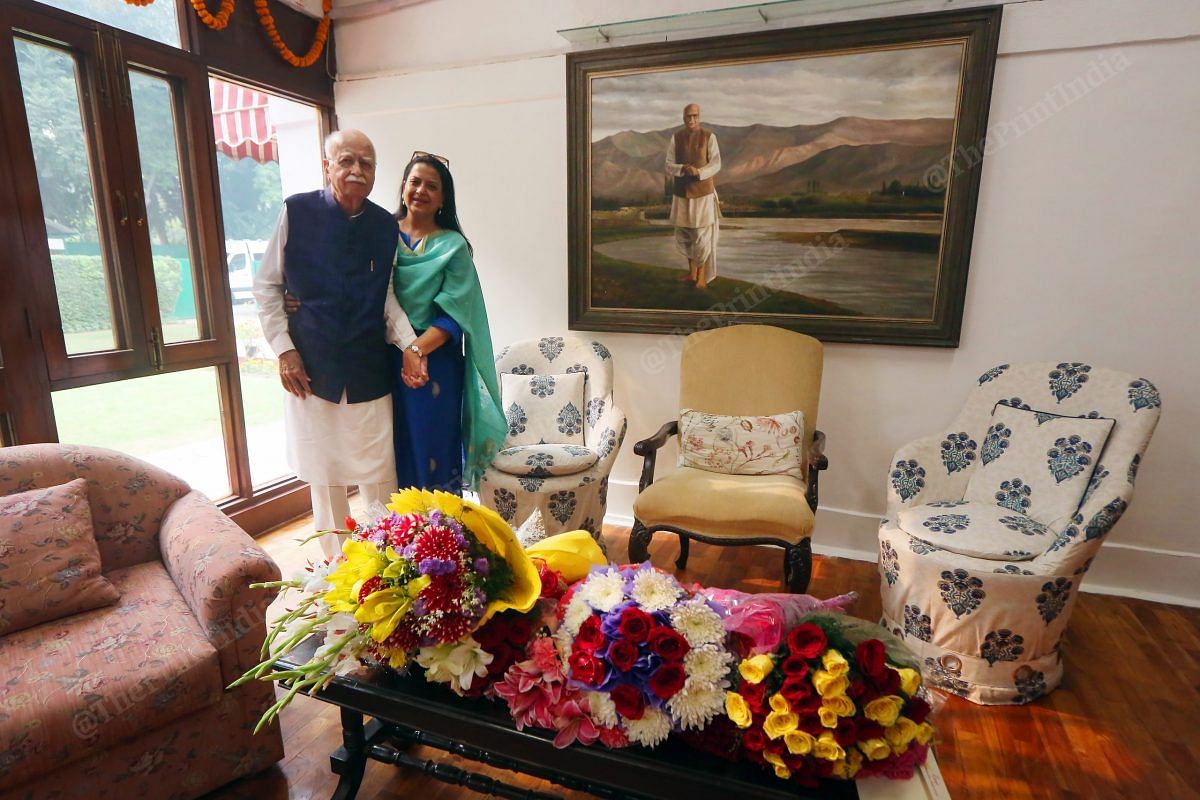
31	336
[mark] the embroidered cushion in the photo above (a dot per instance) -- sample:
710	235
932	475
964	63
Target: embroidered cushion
543	409
544	460
1037	463
983	530
753	445
50	565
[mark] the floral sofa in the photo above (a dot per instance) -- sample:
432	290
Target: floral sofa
129	700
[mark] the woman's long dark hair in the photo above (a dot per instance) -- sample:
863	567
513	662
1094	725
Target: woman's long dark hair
447	215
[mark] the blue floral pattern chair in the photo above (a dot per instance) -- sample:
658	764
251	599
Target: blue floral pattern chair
978	589
567	483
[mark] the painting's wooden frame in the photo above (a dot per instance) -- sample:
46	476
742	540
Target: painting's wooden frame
977	28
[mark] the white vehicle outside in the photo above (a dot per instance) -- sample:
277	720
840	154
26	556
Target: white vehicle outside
243	257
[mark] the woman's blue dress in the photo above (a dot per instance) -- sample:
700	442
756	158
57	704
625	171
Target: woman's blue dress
427	422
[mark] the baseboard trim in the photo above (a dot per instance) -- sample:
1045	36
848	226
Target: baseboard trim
1120	569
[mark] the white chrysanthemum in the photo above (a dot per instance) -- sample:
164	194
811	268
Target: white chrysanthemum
698	623
576	614
562	642
603	590
708	665
654	591
650	730
694	706
602	709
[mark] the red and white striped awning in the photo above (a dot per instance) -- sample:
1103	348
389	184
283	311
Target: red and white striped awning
242	122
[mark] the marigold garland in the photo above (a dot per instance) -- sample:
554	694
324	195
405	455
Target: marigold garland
318	45
218	22
138	2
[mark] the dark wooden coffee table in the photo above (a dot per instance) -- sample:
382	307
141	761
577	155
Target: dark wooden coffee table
408	711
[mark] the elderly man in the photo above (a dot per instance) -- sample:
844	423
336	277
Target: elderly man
693	158
333	249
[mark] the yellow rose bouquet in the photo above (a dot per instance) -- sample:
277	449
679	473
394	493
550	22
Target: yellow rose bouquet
836	698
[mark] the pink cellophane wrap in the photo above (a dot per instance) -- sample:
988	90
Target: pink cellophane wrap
765	618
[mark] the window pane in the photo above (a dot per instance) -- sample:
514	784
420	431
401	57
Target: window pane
174	275
157	21
49	84
267	148
172	420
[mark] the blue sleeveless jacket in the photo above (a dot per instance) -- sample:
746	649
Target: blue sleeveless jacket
339	267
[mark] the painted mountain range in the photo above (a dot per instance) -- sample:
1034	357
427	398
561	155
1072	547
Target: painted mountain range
848	154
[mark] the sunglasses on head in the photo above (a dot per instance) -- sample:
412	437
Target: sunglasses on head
422	154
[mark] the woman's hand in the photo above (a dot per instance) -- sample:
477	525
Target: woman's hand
291	303
415	373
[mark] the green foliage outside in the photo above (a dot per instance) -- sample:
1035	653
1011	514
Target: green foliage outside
250	191
60	150
251	197
80	282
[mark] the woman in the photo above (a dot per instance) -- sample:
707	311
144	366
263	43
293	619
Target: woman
447	420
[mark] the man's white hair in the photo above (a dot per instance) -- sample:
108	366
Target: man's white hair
334	140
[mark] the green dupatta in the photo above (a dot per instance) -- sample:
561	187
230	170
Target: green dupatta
443	277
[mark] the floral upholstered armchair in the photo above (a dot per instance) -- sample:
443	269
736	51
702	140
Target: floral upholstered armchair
992	523
564	433
127	699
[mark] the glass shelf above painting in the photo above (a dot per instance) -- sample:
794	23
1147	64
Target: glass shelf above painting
744	19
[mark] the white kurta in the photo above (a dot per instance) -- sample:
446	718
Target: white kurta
330	444
703	214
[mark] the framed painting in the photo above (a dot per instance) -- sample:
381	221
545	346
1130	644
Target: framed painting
822	179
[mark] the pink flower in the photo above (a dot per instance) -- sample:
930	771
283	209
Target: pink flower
573	724
613	738
530	700
545	657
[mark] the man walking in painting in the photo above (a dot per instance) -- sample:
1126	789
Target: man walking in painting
693	158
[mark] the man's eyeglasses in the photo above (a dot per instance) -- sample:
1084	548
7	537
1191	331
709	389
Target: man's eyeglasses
422	154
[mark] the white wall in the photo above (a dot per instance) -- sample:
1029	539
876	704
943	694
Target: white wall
1085	239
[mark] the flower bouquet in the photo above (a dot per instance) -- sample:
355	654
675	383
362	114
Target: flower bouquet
601	654
648	655
413	584
834	700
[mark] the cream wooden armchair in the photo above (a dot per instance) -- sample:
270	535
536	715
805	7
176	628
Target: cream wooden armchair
740	370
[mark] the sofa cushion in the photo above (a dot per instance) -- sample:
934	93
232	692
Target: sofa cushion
84	684
728	506
543	460
982	530
742	445
543	409
49	562
128	496
1037	463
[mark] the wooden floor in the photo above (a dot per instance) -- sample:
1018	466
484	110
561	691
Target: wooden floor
1125	723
